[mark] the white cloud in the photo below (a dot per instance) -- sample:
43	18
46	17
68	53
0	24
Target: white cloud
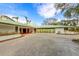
47	10
22	20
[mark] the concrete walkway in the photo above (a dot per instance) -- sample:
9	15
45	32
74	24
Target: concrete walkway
7	37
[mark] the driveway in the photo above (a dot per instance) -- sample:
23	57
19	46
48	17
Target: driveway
41	44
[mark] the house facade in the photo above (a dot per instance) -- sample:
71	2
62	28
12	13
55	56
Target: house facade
54	29
9	26
50	29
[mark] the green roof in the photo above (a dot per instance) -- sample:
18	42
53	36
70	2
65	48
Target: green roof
55	26
7	20
30	24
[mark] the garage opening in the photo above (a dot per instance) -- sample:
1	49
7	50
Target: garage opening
24	31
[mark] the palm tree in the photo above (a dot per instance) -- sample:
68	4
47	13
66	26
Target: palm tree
27	21
16	18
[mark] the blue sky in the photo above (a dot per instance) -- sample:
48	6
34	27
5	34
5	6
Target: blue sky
35	12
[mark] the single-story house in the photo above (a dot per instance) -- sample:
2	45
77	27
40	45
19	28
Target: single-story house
52	28
9	26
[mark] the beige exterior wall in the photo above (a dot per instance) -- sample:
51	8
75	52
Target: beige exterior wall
18	29
45	30
59	30
4	28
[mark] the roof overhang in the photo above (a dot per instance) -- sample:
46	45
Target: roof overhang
57	26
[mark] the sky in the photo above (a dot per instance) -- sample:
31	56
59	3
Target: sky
36	12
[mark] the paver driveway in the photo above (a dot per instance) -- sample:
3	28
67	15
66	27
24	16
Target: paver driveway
41	44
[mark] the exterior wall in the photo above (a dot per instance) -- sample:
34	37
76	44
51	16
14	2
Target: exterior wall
50	30
31	30
18	29
59	30
7	29
45	30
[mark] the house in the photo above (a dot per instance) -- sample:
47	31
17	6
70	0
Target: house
52	28
9	26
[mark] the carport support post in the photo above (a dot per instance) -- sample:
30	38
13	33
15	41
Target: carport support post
33	30
21	30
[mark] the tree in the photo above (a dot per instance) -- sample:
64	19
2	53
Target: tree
50	21
27	21
16	18
62	6
70	10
